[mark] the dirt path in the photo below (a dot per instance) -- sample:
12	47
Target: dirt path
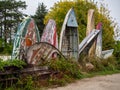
108	82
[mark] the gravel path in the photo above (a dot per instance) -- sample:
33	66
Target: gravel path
108	82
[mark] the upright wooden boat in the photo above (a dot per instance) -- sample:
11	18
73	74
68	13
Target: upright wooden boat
69	36
27	35
50	33
99	41
88	41
90	27
99	53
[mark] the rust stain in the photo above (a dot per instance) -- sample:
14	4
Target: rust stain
33	54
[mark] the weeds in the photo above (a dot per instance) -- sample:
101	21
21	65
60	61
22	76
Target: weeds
67	72
67	67
16	63
100	64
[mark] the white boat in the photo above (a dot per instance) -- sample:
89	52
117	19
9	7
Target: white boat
88	41
69	36
99	53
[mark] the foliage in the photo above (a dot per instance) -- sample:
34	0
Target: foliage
22	84
29	83
67	72
108	64
1	45
117	49
118	63
81	7
10	16
117	53
16	63
67	67
5	48
25	83
58	81
39	16
1	40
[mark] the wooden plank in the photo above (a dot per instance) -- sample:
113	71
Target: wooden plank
34	69
88	41
99	41
8	79
90	27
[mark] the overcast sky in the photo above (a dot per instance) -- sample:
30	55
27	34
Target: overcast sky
113	5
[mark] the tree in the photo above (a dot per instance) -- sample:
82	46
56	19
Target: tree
10	16
81	7
39	16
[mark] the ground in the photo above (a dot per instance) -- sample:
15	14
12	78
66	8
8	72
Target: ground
107	82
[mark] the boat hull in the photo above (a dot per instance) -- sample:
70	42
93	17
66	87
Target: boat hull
69	36
27	35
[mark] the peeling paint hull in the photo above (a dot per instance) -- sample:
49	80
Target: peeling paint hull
27	35
41	52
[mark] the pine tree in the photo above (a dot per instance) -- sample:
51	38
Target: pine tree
39	16
10	16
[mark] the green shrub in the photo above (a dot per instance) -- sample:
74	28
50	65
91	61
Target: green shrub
57	81
67	67
6	49
1	47
97	64
103	64
109	63
16	63
28	83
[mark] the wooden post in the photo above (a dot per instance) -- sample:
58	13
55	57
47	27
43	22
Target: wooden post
90	27
99	41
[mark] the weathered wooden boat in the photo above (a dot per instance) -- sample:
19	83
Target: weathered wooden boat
50	33
41	52
90	21
27	34
99	41
107	53
90	27
88	41
69	36
99	53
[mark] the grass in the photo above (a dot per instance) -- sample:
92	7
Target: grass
99	73
16	63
